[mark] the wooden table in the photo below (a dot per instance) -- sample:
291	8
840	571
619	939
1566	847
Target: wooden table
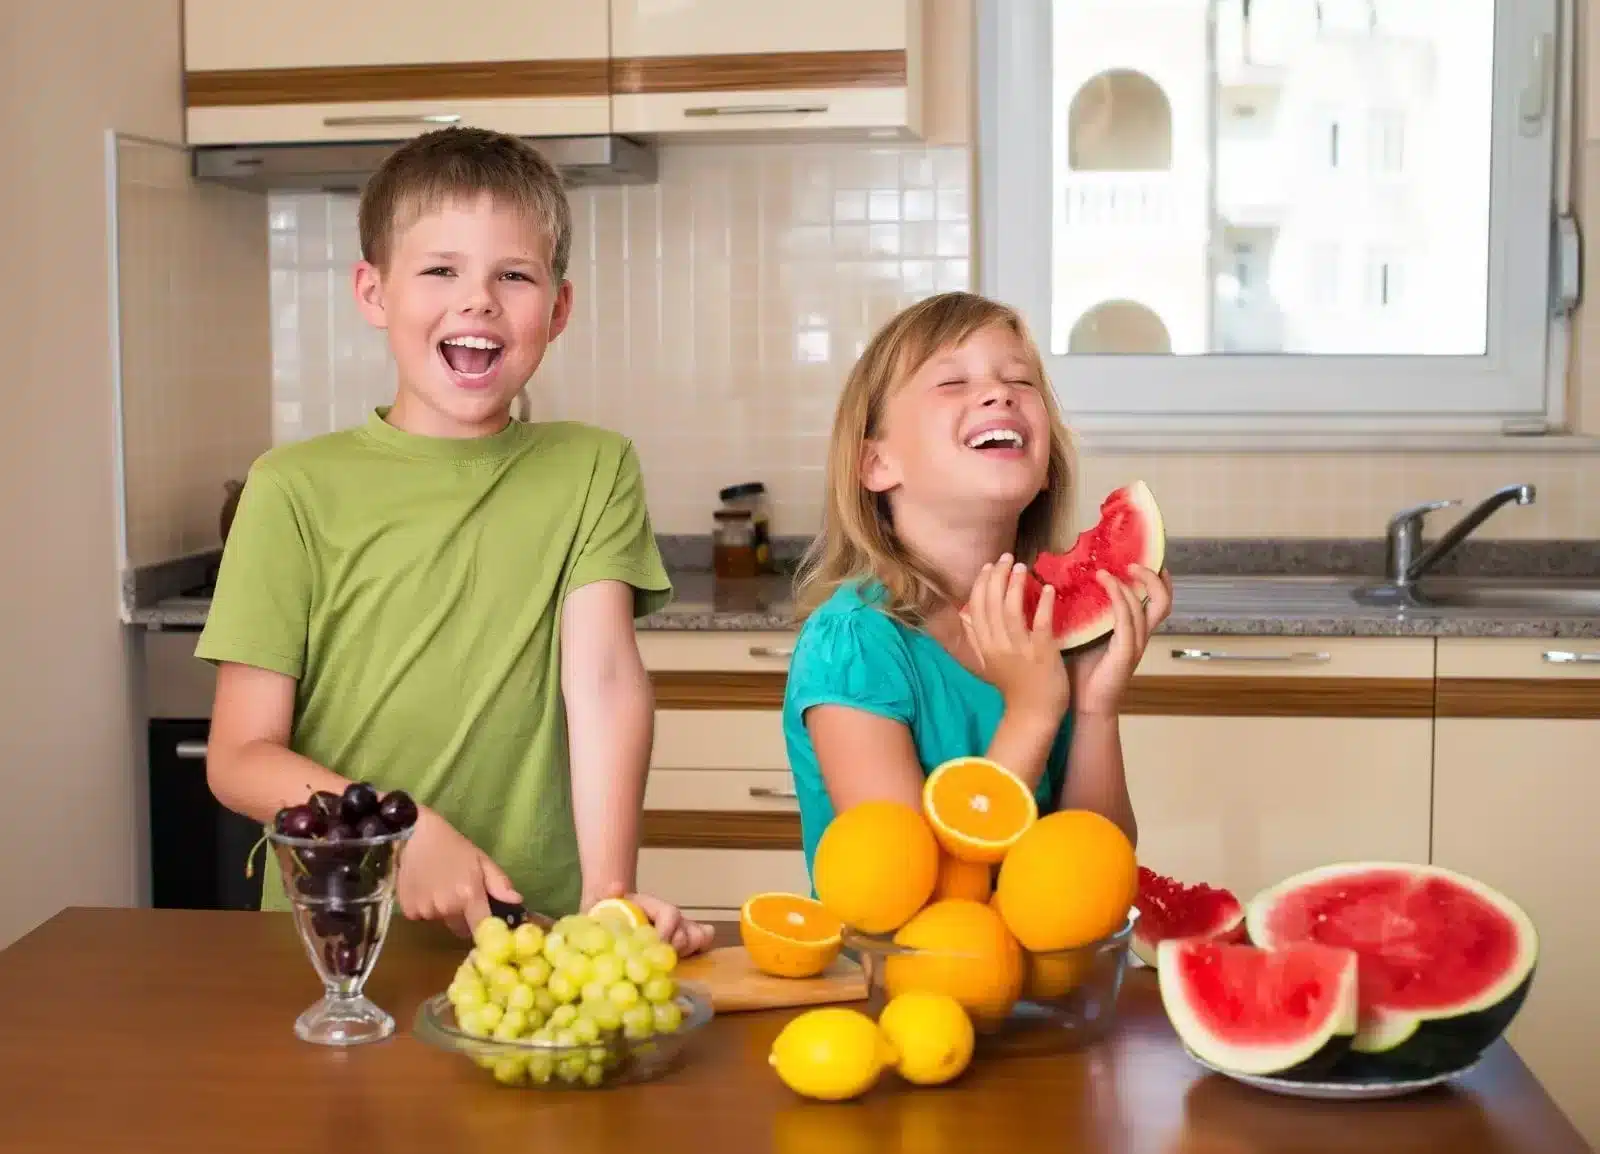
146	1030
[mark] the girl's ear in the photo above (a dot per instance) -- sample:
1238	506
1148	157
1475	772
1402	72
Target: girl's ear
878	472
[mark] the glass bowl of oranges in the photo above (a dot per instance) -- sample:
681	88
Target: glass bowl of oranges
1026	919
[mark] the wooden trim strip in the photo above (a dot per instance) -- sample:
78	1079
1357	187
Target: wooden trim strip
1511	697
358	84
1148	695
754	71
719	829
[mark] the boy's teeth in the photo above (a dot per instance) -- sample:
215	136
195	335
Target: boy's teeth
473	342
995	437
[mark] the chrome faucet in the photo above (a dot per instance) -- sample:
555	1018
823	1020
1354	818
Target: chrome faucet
1404	567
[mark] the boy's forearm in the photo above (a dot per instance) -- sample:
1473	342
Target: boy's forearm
610	729
259	777
1095	775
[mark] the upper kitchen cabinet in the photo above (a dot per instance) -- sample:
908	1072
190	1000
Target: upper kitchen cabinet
713	66
306	70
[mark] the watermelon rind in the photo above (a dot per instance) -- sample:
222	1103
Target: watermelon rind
1152	554
1314	1053
1443	1037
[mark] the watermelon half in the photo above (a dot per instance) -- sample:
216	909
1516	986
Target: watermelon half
1446	960
1289	1012
1171	909
1129	532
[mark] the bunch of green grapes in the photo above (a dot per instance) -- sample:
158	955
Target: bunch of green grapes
576	989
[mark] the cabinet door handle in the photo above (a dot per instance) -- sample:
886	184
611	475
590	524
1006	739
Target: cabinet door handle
768	793
754	109
1568	657
1299	657
381	121
191	750
771	651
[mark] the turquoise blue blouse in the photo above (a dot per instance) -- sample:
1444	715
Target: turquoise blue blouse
849	652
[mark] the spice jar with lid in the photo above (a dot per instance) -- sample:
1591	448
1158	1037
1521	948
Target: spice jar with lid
733	544
751	496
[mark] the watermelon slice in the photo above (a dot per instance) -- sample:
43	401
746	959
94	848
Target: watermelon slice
1171	909
1289	1012
1446	960
1130	532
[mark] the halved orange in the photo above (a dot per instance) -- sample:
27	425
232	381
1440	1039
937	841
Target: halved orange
977	808
787	935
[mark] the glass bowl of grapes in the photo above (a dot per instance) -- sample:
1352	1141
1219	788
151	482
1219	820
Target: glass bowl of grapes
339	854
582	1003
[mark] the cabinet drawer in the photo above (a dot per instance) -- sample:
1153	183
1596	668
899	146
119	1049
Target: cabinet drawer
736	790
397	120
716	651
720	878
1520	658
709	28
719	739
1205	655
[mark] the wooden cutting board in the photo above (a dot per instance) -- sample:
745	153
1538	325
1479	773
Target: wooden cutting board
736	985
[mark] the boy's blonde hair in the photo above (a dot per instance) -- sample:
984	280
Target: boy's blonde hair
857	541
463	163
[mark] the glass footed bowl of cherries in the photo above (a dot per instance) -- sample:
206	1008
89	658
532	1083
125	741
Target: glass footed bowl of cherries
339	855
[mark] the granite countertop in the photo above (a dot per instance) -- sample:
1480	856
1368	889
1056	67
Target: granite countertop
1219	603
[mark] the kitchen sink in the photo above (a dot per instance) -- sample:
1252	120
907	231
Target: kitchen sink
1557	596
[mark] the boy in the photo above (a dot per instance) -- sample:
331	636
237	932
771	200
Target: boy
442	599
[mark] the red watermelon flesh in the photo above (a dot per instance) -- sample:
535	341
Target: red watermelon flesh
1129	532
1248	1010
1171	909
1434	945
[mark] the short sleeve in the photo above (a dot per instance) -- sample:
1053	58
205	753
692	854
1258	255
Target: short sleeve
856	658
622	544
261	609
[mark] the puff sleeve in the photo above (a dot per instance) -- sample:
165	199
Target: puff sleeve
857	658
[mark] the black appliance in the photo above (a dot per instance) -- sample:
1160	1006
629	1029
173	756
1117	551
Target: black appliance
198	848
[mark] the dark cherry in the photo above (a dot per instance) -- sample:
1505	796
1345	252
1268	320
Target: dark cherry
342	958
336	845
359	801
344	883
398	811
372	826
326	804
303	821
310	885
281	818
344	923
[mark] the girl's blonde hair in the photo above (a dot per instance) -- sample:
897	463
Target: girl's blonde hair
857	541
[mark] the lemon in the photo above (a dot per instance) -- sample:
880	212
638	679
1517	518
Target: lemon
619	910
831	1054
931	1034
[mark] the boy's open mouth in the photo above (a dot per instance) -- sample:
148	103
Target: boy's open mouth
471	356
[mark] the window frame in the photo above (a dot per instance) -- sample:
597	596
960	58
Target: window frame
1518	385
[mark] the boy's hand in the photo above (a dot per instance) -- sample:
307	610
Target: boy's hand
445	878
685	935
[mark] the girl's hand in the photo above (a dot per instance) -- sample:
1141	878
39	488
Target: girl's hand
1100	675
1022	659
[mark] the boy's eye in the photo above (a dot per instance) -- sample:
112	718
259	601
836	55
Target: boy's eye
437	270
519	276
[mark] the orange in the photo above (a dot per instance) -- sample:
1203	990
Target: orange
875	865
963	879
1052	976
978	809
970	956
1070	880
787	935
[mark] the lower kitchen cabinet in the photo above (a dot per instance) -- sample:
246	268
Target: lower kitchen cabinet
1516	791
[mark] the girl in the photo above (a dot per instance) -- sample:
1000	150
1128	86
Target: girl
948	469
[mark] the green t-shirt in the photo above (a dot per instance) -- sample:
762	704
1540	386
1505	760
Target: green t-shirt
413	585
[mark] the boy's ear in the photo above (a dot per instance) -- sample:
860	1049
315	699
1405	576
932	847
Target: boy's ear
369	294
878	471
561	311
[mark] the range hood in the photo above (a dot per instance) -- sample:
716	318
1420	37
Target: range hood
340	166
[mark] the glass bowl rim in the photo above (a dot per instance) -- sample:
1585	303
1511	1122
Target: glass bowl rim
885	947
284	839
430	1027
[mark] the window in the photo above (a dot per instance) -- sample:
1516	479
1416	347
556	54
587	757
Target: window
1115	171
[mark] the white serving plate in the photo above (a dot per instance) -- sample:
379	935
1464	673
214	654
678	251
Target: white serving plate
1348	1090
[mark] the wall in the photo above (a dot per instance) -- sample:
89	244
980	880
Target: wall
70	759
720	309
